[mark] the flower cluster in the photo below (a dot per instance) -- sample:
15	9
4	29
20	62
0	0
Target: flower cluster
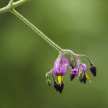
65	63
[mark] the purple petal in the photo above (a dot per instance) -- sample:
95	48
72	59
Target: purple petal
75	71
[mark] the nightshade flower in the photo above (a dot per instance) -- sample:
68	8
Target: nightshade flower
83	73
74	73
65	63
59	70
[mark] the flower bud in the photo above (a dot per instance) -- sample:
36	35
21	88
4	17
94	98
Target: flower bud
93	70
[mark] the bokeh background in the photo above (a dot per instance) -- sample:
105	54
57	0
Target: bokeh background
81	25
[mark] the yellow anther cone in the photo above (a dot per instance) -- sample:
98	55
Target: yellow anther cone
88	76
59	79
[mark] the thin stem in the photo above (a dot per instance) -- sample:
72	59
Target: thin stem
10	2
70	51
81	55
14	5
36	30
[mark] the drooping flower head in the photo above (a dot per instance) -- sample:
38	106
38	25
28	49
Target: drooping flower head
69	62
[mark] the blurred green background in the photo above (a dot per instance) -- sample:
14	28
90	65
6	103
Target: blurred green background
81	25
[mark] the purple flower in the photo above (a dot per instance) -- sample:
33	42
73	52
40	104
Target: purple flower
61	65
83	75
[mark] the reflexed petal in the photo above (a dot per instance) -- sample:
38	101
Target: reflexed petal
49	78
83	67
61	65
49	82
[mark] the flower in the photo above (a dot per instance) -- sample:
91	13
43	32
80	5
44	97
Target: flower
74	73
59	70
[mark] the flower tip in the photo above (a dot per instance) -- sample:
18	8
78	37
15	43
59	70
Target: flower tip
93	70
83	79
72	77
58	87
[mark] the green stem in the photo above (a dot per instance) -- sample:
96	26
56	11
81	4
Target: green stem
13	5
36	30
10	3
81	55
